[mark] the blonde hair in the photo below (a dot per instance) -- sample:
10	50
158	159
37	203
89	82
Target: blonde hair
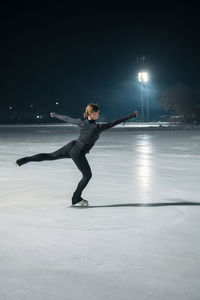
90	108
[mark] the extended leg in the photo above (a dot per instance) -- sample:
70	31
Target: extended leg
58	154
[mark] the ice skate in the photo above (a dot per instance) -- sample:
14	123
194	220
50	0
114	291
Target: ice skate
18	163
21	161
83	202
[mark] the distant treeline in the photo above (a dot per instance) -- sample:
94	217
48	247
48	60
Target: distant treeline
178	103
182	101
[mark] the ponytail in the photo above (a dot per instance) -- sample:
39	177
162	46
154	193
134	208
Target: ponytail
90	108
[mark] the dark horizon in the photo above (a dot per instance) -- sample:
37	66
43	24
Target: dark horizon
82	55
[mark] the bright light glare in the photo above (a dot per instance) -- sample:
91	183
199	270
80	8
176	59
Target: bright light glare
143	76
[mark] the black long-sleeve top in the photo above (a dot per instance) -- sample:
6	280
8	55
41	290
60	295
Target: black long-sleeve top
89	129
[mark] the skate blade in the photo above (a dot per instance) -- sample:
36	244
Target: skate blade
79	206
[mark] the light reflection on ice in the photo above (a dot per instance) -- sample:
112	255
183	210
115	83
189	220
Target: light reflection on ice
144	162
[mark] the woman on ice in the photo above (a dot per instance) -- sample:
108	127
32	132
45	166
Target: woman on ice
77	149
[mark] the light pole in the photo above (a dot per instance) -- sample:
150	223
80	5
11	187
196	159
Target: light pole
147	101
143	78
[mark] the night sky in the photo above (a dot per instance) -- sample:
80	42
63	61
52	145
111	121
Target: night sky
81	54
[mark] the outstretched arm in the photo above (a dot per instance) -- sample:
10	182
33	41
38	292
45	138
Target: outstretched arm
66	118
118	121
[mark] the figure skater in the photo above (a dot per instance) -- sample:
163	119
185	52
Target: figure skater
77	149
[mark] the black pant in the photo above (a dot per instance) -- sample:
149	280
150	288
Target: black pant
71	150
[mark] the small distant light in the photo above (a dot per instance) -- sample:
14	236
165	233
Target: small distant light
10	107
38	116
57	103
31	105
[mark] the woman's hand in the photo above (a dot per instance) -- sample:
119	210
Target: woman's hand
52	114
135	113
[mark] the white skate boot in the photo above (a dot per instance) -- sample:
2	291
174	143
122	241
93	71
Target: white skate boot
83	202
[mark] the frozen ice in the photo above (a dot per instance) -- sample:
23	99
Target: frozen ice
139	239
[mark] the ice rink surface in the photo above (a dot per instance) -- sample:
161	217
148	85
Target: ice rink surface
140	239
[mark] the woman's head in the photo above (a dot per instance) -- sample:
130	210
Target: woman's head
92	111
